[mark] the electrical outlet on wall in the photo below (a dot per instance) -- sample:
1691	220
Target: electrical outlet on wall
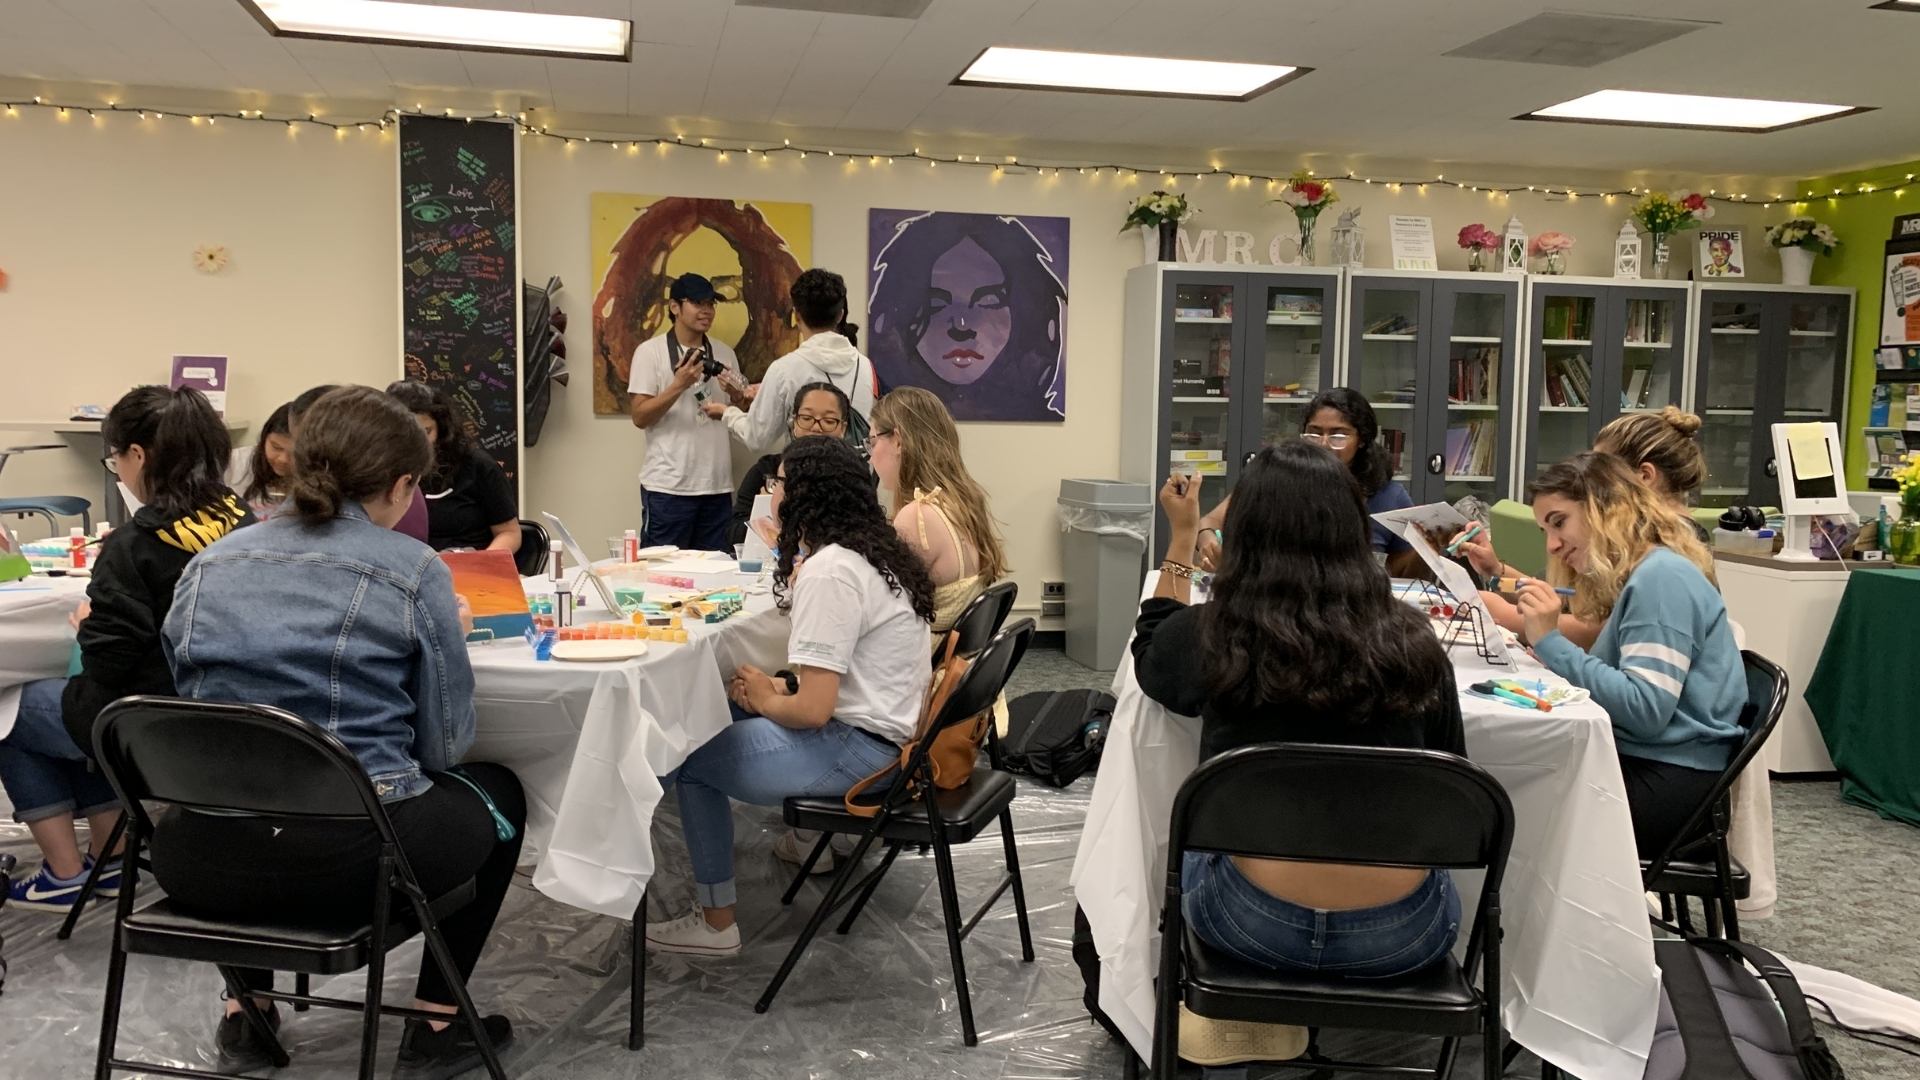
1053	598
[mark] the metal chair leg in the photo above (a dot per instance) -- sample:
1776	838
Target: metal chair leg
110	1009
377	969
866	893
841	880
1019	889
93	878
806	869
950	911
1683	908
302	985
637	979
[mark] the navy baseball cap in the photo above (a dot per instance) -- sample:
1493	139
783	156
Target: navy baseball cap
692	287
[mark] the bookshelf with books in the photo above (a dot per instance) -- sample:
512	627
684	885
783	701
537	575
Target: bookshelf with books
1765	354
1217	362
1596	348
1435	355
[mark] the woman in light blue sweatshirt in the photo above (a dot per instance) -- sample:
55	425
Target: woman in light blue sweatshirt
1665	666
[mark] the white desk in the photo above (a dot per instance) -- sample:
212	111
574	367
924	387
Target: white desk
112	509
1786	609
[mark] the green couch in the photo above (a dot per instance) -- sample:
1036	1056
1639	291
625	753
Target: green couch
1521	544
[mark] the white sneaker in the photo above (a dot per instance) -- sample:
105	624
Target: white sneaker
691	935
794	845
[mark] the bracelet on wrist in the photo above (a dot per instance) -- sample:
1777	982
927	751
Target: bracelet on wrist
1182	570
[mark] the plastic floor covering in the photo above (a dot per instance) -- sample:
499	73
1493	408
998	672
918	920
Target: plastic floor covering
876	1003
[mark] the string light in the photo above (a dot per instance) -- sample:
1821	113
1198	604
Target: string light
1170	177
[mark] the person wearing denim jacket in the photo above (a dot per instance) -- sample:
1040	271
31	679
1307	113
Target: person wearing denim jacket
330	614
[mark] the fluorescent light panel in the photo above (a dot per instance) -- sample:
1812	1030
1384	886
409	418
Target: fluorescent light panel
1649	109
1048	69
431	25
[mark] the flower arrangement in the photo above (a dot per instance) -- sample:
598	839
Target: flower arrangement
1803	232
1908	477
1549	243
1477	237
1304	193
1660	213
1151	209
210	258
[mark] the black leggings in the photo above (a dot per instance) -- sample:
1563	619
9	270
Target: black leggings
1661	797
249	866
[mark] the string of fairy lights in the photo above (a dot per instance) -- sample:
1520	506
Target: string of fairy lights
724	149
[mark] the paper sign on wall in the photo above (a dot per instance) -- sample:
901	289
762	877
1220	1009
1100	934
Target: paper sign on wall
207	374
1412	239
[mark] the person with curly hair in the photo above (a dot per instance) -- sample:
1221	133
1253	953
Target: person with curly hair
825	355
860	605
470	501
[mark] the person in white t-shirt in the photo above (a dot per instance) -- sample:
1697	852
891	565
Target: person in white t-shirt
861	603
686	481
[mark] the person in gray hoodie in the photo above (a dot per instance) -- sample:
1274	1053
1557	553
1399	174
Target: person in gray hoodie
824	355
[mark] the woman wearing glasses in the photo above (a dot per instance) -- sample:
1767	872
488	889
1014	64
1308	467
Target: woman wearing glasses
819	408
1342	420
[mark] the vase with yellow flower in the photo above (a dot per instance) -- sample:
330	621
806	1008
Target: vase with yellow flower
1903	537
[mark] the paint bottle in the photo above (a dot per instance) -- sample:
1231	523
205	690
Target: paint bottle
633	546
562	604
77	547
556	556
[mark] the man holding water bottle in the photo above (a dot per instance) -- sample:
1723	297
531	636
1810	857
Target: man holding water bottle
686	478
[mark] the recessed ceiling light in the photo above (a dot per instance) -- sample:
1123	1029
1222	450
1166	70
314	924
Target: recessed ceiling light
1105	73
1642	108
434	26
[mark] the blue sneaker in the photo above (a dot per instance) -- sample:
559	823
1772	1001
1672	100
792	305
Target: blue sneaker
42	891
109	885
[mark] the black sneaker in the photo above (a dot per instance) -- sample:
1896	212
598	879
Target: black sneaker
426	1054
240	1046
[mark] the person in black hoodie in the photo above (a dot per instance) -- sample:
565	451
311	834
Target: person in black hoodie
171	450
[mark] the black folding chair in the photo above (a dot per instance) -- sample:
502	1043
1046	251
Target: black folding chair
1339	804
978	622
1698	862
919	813
259	761
531	559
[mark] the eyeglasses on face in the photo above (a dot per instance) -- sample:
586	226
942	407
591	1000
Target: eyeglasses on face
827	424
773	484
1333	440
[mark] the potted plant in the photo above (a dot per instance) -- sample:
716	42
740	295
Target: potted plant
1660	214
1903	537
1551	248
1797	239
1308	197
1480	243
1159	213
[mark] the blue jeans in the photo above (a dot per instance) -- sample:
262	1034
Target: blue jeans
1239	918
759	762
695	522
44	773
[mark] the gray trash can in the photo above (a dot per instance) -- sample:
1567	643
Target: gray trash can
1106	523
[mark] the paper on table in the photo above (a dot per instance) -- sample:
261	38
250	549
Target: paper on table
1438	518
1455	581
1808	445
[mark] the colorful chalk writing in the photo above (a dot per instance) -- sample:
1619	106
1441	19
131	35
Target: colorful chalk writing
459	286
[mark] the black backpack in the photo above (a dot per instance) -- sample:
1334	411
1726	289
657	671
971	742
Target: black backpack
1055	736
1718	1022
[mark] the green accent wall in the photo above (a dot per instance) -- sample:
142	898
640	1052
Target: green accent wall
1864	222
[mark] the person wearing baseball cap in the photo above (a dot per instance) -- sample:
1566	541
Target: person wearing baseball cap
686	477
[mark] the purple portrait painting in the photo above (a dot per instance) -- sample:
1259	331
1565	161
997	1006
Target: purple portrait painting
972	307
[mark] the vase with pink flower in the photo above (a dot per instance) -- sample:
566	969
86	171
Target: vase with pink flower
1308	197
1549	249
1660	214
1482	246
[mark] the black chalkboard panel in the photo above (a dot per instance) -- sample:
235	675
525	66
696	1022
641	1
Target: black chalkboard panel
459	279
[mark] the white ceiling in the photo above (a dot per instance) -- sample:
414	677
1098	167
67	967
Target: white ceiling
1382	89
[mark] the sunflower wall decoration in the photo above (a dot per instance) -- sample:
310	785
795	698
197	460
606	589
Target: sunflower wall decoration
210	258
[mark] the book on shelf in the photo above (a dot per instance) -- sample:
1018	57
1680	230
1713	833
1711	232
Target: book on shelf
1647	322
1569	380
1564	319
1635	394
1880	406
1472	376
1396	324
1470	447
1395	440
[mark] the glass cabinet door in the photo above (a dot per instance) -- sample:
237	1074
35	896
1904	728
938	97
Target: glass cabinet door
1386	357
1729	381
1473	425
1565	327
1815	371
1296	348
1651	331
1199	414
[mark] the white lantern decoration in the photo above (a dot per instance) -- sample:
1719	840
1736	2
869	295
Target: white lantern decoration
1349	240
1513	248
1626	252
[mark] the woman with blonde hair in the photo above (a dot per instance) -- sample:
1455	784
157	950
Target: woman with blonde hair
1663	450
938	508
1665	665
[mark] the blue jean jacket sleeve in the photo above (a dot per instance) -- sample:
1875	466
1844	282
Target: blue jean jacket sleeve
444	725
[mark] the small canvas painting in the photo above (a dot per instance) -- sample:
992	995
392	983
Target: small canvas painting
491	585
1721	254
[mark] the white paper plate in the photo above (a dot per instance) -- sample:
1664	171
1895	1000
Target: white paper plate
599	649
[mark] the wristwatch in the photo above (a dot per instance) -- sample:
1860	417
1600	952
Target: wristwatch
792	681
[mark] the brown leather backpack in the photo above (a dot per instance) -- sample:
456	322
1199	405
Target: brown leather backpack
954	749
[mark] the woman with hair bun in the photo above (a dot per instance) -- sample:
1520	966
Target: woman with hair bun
328	613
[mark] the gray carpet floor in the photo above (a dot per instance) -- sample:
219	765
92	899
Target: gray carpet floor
879	1002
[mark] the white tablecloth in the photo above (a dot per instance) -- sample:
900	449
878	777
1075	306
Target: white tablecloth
589	742
35	640
1579	984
